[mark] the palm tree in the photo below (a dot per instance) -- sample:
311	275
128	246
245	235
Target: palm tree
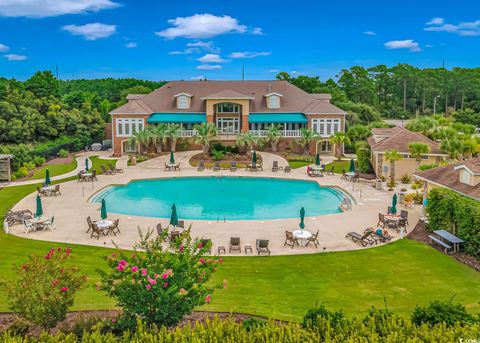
339	139
247	140
141	138
453	147
470	145
392	156
158	136
417	150
273	136
206	132
173	132
308	136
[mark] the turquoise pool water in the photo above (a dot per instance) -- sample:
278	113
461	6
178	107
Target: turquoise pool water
212	198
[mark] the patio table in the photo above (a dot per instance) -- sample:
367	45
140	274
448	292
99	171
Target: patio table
302	235
451	238
48	189
316	170
39	222
351	174
104	224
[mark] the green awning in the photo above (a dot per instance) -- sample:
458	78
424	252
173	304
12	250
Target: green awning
187	118
258	118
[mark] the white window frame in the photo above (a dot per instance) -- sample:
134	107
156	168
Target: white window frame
273	101
126	127
326	127
183	102
465	177
231	120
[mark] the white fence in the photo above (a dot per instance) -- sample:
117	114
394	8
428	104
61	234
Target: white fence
285	133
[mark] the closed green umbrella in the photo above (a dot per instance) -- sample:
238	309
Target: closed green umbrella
86	165
393	210
172	158
254	158
103	210
39	211
47	177
317	160
302	218
352	166
174	216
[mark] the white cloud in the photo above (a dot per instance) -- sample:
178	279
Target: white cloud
199	77
257	31
131	45
14	57
466	28
201	26
51	8
436	21
207	46
429	46
248	54
91	31
294	72
369	33
409	44
209	66
4	48
274	71
211	58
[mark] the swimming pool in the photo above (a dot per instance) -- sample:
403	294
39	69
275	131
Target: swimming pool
221	198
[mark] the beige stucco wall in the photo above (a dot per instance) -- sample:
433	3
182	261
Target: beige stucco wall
405	166
245	103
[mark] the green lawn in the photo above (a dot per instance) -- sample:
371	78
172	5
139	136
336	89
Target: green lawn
54	169
405	273
338	166
298	164
97	162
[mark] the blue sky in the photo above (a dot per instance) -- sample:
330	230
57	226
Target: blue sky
166	40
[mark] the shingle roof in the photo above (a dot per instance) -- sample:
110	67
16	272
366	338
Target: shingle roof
399	138
294	99
449	176
133	107
228	94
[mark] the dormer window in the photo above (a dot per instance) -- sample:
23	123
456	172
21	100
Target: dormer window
183	101
273	100
465	177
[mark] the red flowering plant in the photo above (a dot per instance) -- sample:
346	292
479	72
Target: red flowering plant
45	288
161	281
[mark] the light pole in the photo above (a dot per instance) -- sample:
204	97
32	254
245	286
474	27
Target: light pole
435	104
403	117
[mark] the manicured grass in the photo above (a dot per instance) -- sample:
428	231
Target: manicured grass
54	169
339	166
97	162
298	164
404	273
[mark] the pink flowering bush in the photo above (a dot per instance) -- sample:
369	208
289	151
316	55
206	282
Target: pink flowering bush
160	283
45	288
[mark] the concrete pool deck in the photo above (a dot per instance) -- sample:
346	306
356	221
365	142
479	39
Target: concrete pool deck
73	207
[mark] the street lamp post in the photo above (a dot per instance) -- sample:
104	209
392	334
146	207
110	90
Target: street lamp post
435	104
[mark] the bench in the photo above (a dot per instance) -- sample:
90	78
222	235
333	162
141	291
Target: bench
439	242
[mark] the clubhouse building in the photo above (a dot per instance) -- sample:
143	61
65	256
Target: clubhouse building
234	107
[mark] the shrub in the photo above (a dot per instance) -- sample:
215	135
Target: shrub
391	184
21	172
29	165
63	153
38	161
45	288
406	179
437	312
183	145
217	155
162	284
251	324
362	149
313	318
427	166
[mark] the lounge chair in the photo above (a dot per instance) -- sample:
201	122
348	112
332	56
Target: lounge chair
290	239
56	191
404	215
201	165
275	166
364	239
90	223
314	240
287	169
167	167
106	171
18	217
234	245
207	245
115	169
262	246
378	234
233	166
216	166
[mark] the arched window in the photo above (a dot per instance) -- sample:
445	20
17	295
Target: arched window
183	102
227	107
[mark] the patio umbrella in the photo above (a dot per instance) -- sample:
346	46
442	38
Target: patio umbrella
103	210
47	177
39	211
174	216
86	165
352	166
302	218
254	158
172	158
393	210
317	160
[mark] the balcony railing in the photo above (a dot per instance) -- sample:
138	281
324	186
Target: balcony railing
188	133
285	133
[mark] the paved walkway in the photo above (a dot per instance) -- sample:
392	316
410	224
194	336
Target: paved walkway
72	208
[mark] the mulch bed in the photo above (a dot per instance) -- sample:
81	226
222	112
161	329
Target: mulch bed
227	158
7	319
420	233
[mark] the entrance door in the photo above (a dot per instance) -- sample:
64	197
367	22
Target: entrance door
326	146
227	125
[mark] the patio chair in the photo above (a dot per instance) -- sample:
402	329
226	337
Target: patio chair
262	246
114	228
330	172
159	229
174	235
111	168
105	171
233	166
42	192
260	166
404	215
167	167
290	239
364	239
94	175
314	240
389	209
287	169
392	224
355	178
234	245
50	225
216	166
115	169
207	245
181	224
275	166
344	175
28	227
81	176
56	191
90	223
177	166
402	224
381	220
201	165
96	231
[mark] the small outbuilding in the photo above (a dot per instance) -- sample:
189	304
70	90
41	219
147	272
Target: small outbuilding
5	168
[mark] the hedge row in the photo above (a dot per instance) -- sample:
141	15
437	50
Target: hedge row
447	209
362	150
